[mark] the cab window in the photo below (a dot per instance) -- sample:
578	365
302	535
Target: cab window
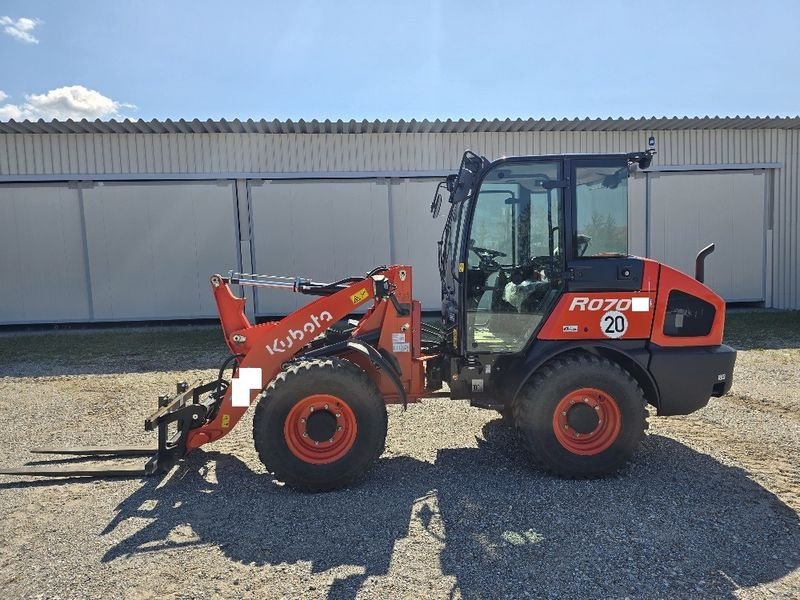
601	198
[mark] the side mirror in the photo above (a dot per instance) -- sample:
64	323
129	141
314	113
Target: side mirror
436	205
450	182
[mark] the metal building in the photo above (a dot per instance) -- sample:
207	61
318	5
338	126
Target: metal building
109	221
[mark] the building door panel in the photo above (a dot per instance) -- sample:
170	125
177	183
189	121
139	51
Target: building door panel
42	257
689	210
153	246
321	230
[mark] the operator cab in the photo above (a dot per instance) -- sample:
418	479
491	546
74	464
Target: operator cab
519	229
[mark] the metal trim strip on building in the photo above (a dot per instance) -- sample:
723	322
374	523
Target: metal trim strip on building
712	167
331	175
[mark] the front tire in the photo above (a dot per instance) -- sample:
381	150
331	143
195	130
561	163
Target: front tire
581	416
320	424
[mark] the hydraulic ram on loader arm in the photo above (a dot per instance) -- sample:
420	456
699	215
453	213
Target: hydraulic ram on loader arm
209	411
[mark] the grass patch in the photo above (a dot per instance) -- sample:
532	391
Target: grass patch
134	343
763	329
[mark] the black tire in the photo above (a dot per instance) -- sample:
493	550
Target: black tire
507	416
335	377
535	408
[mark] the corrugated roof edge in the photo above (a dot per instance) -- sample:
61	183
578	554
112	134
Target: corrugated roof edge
401	126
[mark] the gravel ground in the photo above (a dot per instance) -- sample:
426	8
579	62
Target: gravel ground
708	508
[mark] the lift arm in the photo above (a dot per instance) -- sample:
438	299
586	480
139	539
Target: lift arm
266	347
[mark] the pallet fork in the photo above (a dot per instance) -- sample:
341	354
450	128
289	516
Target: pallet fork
186	409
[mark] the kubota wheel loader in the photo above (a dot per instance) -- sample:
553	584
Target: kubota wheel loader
545	318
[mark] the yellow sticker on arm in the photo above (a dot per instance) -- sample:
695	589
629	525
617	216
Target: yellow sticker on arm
359	296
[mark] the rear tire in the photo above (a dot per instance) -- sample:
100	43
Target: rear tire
320	424
581	416
507	416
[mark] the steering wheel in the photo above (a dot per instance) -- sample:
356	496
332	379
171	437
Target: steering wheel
548	264
487	253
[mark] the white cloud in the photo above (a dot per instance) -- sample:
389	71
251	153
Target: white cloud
21	29
69	102
3	95
9	111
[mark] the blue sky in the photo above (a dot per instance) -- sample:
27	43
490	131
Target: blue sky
381	60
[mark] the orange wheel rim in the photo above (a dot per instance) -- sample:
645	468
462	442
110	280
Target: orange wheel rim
320	429
587	421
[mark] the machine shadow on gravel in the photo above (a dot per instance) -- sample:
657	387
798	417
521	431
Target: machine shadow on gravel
257	522
676	523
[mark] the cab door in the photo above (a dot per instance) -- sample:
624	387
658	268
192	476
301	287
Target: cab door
599	207
597	222
513	253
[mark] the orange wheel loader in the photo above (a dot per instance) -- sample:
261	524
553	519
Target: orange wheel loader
545	317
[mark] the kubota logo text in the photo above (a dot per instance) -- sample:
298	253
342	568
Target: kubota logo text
606	304
297	336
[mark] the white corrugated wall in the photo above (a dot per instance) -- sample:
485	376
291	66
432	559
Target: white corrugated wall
210	153
134	155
